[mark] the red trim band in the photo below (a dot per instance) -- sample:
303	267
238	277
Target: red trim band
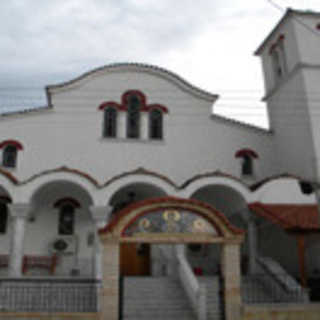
144	107
246	152
14	143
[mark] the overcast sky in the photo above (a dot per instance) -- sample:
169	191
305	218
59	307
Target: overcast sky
210	43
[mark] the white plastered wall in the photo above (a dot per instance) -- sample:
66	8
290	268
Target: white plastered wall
193	143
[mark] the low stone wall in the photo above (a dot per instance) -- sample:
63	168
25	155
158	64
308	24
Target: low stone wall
282	312
48	316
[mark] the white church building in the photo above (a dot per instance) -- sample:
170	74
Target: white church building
127	197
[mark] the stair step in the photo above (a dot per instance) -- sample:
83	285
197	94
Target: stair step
212	284
146	298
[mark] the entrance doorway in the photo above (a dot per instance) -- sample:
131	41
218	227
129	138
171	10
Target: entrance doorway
134	259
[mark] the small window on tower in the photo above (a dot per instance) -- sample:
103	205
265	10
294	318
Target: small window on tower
278	56
277	68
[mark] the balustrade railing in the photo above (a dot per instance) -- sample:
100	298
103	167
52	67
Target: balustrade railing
49	295
195	291
263	288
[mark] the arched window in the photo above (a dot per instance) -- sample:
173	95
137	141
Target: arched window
110	123
247	165
247	156
133	117
66	219
9	158
3	217
155	124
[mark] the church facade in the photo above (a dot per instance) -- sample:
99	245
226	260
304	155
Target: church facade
127	173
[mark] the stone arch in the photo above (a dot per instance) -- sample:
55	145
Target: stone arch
283	189
51	223
30	187
56	190
230	182
111	188
127	216
113	235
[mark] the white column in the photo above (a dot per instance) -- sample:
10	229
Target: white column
252	246
122	125
101	216
144	125
18	214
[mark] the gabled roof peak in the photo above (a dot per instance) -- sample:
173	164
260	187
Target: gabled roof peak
288	13
138	67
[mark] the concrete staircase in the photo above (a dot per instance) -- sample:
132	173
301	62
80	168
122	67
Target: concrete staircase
155	298
214	303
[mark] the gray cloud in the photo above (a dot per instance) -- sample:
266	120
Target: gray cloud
64	36
209	42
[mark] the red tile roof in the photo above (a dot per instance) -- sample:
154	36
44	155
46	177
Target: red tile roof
302	217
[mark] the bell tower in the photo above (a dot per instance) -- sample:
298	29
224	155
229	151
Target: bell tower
291	67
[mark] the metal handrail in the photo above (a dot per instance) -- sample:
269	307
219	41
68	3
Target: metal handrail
49	295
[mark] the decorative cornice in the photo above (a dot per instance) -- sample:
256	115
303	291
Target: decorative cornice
30	111
144	172
62	169
262	182
136	67
140	171
212	174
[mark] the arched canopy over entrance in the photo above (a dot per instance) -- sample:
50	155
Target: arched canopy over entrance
173	220
170	220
